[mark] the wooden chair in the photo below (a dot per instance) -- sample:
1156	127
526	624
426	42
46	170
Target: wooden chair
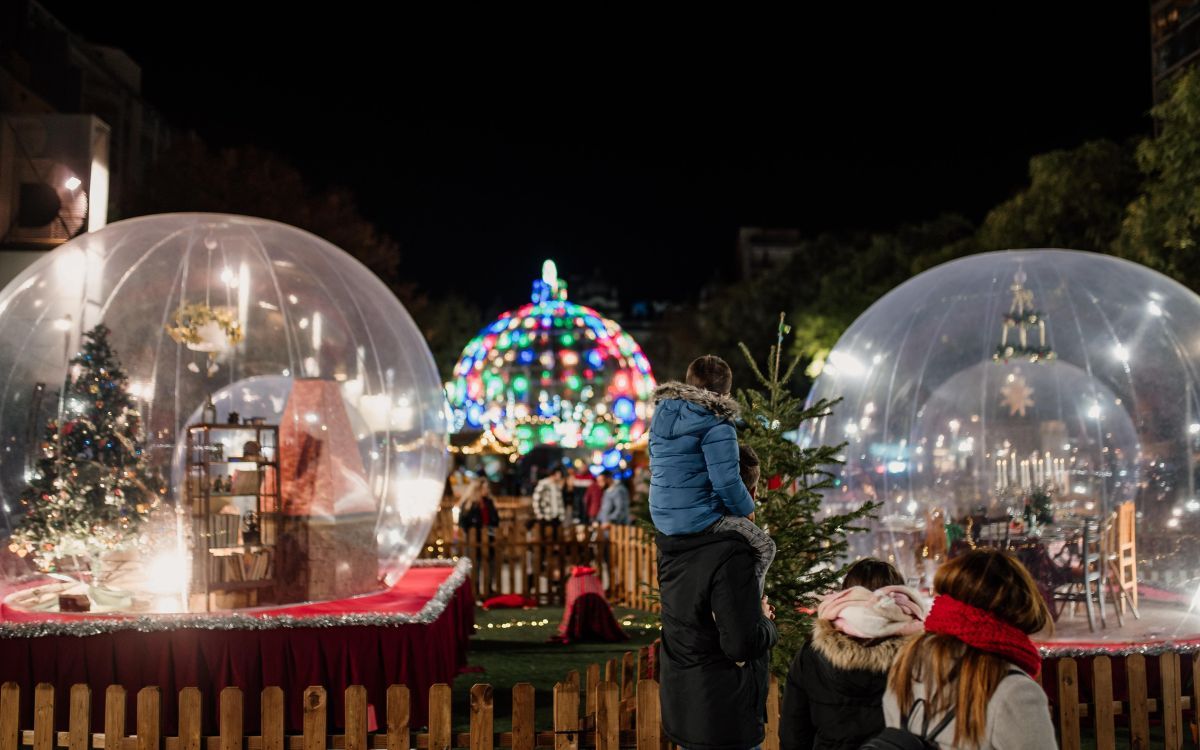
1086	566
1121	558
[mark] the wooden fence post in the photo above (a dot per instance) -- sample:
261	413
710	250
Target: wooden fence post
356	717
398	707
232	716
628	675
1139	706
190	713
10	715
272	712
771	741
315	710
149	715
522	716
481	717
43	716
608	731
114	716
649	720
1172	710
566	716
79	736
593	684
1102	692
1068	704
439	717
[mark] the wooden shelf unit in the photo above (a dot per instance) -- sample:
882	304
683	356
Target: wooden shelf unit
222	562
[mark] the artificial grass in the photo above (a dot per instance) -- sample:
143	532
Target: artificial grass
512	646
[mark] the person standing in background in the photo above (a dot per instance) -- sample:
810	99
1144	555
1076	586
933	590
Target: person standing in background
614	508
581	481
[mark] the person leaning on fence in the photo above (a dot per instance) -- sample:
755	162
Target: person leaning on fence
833	699
717	636
968	681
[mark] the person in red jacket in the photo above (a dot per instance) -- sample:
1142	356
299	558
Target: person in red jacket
593	499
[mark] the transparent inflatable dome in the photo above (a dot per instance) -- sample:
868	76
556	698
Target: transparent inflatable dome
1059	380
286	411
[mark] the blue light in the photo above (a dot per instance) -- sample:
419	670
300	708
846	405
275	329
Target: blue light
525	357
474	414
625	410
546	409
595	359
611	459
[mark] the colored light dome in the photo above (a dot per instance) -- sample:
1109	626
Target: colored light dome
553	373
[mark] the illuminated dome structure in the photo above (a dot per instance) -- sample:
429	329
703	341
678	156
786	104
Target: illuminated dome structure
1056	378
287	410
553	373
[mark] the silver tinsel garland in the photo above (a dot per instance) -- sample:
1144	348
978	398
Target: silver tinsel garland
238	621
1152	648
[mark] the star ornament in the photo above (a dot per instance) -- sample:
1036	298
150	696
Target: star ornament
1016	394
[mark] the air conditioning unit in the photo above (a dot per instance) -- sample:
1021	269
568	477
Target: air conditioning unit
53	178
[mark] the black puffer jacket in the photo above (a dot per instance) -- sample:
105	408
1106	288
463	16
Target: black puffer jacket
711	620
834	694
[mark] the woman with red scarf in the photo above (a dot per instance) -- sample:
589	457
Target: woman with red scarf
968	681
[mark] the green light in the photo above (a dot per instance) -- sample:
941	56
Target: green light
567	339
574	382
599	437
520	384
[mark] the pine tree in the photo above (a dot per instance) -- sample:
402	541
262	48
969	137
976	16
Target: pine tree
811	545
90	489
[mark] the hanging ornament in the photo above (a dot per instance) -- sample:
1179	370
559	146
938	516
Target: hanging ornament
206	329
1024	323
1016	395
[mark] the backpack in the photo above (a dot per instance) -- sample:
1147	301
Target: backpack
904	738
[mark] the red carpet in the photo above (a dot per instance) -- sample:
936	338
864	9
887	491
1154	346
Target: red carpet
406	635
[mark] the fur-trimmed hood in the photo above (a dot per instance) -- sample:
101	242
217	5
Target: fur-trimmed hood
844	652
722	407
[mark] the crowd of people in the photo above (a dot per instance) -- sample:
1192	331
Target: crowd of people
881	670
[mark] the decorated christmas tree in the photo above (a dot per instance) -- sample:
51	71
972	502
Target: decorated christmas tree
811	545
89	490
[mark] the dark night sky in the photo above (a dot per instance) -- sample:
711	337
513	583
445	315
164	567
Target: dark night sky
634	144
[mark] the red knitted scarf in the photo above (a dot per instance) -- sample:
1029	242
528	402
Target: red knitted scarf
983	630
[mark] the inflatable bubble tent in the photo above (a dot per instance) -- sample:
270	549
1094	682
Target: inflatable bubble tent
1032	377
287	404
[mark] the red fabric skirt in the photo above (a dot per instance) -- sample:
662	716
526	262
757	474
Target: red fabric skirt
416	655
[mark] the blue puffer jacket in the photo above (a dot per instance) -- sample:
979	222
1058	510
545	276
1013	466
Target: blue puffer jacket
694	472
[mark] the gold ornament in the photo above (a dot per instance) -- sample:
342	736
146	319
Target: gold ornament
205	329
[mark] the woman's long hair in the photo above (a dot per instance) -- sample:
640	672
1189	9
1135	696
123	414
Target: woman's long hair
957	676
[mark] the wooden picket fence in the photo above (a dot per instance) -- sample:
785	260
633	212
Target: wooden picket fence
1143	702
614	720
537	561
615	706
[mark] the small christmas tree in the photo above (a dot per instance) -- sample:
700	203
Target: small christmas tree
90	489
811	546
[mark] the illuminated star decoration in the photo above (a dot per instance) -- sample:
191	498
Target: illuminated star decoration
1016	394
